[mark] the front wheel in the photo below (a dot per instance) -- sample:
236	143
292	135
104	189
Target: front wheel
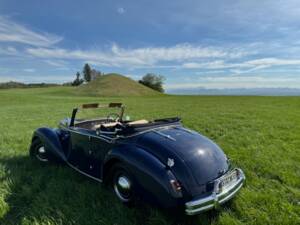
38	151
123	184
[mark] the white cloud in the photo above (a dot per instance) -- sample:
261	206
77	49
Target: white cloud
240	71
29	70
273	62
217	71
11	31
218	64
121	10
181	56
138	57
12	49
56	63
101	58
242	67
258	64
8	50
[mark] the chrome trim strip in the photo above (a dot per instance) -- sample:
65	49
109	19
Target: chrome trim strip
200	205
78	170
150	130
164	135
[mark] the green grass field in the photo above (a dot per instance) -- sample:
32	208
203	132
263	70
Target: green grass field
260	134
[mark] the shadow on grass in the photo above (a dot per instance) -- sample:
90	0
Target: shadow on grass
55	194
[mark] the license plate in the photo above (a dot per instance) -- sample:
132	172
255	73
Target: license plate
229	180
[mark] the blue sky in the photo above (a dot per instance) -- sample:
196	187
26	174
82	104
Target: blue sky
212	44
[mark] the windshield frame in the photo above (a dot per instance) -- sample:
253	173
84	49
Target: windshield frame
97	106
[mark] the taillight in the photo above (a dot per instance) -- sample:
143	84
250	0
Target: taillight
175	185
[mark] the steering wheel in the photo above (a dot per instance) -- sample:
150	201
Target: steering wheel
113	117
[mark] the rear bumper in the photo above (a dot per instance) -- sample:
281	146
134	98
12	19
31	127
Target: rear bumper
216	198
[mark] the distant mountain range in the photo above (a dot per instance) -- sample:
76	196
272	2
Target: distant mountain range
237	91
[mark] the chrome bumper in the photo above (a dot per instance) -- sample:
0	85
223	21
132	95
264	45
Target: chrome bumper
216	198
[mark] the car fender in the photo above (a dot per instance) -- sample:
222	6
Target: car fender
151	176
50	137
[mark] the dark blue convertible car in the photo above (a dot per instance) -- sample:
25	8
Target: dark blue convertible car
159	160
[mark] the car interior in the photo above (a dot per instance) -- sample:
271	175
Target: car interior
114	122
105	125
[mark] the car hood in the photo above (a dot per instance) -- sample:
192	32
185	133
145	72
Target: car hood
193	154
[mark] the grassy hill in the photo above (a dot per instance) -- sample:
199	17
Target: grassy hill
114	85
259	134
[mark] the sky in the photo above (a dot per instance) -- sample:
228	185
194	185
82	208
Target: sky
193	43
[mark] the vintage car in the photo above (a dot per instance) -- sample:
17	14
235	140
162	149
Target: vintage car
158	161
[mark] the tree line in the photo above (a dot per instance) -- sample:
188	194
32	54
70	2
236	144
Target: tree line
87	75
13	84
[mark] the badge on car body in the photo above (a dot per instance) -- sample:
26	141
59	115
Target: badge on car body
170	162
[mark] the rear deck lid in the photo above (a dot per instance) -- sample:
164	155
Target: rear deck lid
202	157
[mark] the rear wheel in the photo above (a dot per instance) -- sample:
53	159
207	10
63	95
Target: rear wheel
123	184
38	151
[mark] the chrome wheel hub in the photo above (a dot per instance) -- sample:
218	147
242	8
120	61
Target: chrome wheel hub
122	187
41	154
42	150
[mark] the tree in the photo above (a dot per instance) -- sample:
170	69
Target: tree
95	74
87	72
77	80
153	81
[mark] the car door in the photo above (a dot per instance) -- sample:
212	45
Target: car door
88	151
95	154
79	145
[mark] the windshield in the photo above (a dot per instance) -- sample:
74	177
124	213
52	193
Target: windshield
111	111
